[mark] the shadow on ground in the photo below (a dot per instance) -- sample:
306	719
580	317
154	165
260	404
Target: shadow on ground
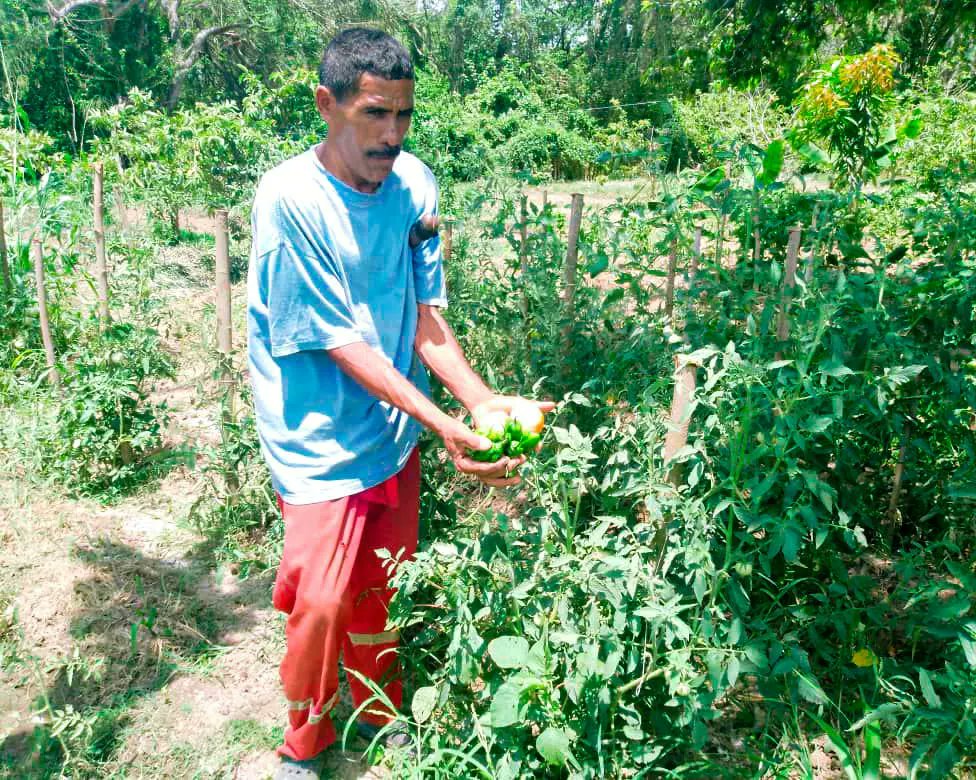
137	623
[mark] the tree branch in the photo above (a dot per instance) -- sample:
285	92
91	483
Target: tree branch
196	50
58	15
172	8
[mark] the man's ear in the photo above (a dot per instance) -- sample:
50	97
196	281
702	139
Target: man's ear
325	102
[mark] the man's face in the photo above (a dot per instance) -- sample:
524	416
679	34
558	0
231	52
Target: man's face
367	129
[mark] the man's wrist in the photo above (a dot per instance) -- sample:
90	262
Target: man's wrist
476	398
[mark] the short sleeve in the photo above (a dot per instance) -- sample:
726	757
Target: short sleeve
308	305
428	266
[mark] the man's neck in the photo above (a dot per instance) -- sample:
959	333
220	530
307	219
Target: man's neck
333	163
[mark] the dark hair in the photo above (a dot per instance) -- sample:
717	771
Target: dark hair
360	50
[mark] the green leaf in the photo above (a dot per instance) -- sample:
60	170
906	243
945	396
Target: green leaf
912	128
928	691
772	162
732	671
554	745
813	154
504	710
810	689
509	652
710	180
423	702
835	369
599	265
872	751
969	648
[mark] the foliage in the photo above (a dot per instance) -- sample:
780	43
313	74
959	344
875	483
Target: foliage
709	122
108	437
846	107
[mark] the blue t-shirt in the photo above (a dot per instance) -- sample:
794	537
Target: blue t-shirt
331	266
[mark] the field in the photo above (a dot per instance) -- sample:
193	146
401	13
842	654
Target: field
745	549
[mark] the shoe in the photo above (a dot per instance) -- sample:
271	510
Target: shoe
290	769
394	735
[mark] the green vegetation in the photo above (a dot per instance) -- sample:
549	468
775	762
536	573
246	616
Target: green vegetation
786	590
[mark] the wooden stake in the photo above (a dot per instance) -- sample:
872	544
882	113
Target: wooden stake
756	248
789	283
685	381
523	256
569	269
4	266
812	262
447	240
696	252
896	483
52	368
101	262
669	284
222	264
719	242
225	338
545	199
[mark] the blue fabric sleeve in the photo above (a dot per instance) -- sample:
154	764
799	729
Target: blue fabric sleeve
428	267
307	303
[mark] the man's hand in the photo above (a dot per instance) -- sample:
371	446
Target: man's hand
459	438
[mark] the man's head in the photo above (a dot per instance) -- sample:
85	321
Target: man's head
365	94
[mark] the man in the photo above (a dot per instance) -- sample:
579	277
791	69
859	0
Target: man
343	305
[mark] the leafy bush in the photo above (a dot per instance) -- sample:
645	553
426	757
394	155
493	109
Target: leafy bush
712	121
108	435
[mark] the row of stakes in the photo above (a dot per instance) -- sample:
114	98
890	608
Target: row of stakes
685	370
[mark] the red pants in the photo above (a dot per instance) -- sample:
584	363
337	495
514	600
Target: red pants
335	591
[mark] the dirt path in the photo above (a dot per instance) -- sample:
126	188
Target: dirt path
118	612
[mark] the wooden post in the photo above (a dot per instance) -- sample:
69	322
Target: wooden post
812	262
789	283
685	381
52	368
756	247
545	199
4	266
719	241
447	240
222	267
523	256
695	257
225	338
896	482
101	262
569	269
669	284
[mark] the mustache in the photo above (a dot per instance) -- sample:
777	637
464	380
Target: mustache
386	153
